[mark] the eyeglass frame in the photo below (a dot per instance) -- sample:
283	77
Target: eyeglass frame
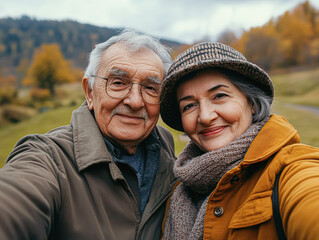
141	92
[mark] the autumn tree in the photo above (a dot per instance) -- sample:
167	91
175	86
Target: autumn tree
262	46
228	37
294	33
291	39
48	68
8	89
178	50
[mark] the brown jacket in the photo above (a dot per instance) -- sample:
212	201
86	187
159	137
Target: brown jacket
244	192
65	185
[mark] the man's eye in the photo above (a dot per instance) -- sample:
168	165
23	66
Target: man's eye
149	88
117	83
152	88
116	80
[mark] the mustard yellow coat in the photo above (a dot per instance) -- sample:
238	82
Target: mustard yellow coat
240	207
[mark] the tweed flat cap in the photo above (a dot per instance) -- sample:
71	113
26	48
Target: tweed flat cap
207	55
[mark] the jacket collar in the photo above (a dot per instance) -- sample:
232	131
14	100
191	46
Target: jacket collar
275	134
89	146
152	143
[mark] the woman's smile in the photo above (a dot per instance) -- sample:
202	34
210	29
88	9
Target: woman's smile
212	131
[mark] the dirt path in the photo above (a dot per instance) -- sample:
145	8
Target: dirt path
312	109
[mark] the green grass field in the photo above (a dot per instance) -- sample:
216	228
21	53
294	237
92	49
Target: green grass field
291	88
40	123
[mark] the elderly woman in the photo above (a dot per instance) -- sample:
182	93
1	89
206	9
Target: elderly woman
237	148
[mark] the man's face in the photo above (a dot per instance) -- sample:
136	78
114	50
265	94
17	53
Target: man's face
130	120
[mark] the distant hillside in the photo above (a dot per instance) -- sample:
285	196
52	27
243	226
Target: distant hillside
20	37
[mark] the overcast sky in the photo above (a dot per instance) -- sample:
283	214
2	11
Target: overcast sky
182	20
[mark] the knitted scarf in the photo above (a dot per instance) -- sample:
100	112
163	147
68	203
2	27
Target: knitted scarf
199	174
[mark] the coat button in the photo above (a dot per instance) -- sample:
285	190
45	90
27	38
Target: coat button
218	211
234	179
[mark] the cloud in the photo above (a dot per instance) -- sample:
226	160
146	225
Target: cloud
182	20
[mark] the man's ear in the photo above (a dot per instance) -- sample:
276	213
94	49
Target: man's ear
88	92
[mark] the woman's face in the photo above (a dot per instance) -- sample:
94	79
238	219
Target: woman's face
214	112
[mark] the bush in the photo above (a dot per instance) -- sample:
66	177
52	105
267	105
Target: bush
40	94
7	95
15	114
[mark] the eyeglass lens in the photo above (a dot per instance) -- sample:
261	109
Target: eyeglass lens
119	87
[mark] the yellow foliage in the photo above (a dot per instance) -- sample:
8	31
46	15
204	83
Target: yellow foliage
49	68
8	89
7	95
240	45
40	94
8	81
180	49
291	39
314	46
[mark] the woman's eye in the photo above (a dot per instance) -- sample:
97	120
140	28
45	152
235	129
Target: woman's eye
220	95
187	107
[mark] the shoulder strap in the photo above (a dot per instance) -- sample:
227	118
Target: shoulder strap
276	212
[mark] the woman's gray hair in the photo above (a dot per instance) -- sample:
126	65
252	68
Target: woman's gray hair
134	42
257	98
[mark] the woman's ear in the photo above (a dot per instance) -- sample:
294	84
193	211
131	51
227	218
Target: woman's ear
252	107
253	110
88	92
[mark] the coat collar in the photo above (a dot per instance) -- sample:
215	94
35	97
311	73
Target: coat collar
87	139
89	144
275	134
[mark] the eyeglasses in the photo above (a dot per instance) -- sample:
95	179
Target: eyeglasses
119	87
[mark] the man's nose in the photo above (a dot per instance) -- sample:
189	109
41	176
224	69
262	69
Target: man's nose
134	99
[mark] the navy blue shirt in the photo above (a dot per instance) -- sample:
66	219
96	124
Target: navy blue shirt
144	163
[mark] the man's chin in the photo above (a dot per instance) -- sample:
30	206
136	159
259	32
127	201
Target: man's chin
124	120
129	134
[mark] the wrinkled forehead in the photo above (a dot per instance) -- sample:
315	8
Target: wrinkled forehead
119	58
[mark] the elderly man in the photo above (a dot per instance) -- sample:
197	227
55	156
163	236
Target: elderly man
108	174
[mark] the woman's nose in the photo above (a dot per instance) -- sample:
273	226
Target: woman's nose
207	113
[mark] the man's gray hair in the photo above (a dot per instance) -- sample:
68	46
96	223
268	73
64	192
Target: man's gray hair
134	42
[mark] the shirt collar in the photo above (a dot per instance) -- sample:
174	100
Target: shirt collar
151	143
